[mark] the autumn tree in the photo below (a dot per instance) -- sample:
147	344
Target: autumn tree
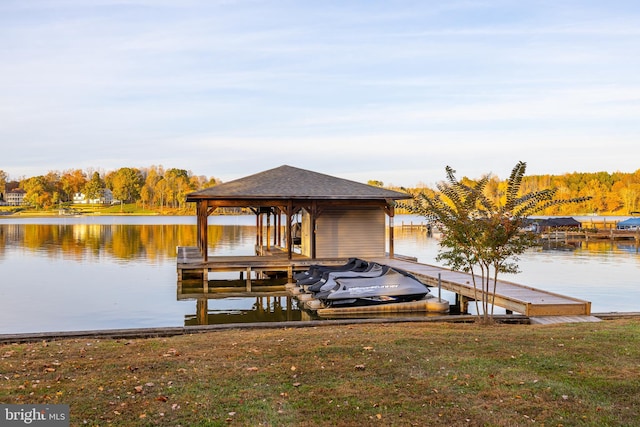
39	192
148	191
479	235
125	183
200	182
93	188
4	177
71	182
177	186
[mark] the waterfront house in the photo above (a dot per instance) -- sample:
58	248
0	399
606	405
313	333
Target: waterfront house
104	198
15	197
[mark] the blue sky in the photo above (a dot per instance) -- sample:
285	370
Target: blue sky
387	90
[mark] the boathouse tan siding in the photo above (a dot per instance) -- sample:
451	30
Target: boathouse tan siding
350	233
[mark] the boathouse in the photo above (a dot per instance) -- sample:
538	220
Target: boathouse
339	219
556	224
336	218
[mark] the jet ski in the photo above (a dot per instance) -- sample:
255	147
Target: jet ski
315	272
394	285
328	280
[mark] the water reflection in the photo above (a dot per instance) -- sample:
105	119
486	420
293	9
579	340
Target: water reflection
268	301
61	274
124	242
272	308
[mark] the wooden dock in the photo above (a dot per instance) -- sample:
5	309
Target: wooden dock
591	234
510	296
190	264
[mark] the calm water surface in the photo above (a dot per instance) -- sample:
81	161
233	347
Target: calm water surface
84	273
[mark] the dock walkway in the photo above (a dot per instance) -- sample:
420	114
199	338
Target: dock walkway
510	296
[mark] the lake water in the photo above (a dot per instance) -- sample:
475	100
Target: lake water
81	273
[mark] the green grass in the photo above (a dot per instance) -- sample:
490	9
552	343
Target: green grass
127	208
374	374
84	209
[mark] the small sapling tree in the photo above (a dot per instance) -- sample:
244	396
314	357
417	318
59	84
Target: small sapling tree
481	236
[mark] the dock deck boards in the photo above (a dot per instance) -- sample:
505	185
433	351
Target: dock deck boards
510	296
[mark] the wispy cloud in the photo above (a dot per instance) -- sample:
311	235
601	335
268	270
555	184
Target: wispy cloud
404	87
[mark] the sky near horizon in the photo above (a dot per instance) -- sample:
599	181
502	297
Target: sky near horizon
392	91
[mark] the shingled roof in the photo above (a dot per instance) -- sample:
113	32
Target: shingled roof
287	182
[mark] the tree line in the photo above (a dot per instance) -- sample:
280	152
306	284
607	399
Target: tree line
151	187
154	187
616	193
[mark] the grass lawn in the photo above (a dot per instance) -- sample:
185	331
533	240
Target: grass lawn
435	374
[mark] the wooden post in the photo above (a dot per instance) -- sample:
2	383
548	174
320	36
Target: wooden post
269	230
289	307
202	311
261	232
314	212
391	216
276	228
257	229
288	229
202	229
462	303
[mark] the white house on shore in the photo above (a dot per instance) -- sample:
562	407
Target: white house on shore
14	197
105	198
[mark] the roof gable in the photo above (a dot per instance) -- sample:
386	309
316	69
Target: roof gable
561	222
287	182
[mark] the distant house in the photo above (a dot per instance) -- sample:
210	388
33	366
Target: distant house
105	198
15	197
629	224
